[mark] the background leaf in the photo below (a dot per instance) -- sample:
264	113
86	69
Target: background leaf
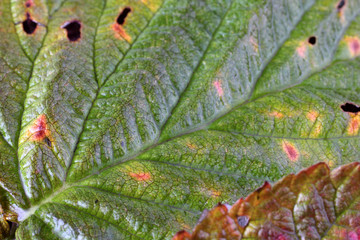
313	204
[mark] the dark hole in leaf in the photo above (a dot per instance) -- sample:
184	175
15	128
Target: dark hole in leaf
341	5
243	221
121	18
312	40
47	141
350	107
29	25
73	30
96	201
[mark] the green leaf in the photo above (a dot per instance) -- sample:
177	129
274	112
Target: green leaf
314	204
127	118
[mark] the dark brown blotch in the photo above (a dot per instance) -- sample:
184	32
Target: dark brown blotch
73	30
350	108
123	15
47	141
340	5
312	40
29	25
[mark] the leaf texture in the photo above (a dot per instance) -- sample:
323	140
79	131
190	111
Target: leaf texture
125	119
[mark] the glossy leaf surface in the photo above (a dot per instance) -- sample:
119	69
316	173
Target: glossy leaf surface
128	118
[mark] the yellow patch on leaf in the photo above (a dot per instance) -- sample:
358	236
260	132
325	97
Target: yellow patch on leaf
191	146
317	129
215	193
153	5
354	124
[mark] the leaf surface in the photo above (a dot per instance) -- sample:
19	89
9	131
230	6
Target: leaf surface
126	119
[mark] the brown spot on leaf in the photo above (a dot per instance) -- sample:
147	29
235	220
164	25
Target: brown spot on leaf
29	25
39	130
353	45
312	40
350	108
118	26
141	176
191	146
120	32
341	4
123	15
73	30
290	150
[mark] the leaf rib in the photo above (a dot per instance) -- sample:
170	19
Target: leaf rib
106	79
96	217
197	66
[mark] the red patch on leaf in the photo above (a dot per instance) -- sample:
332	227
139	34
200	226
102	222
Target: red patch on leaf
120	32
276	114
142	176
217	84
39	130
291	151
182	235
353	45
29	3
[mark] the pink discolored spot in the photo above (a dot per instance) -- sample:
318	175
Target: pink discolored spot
29	3
290	150
301	50
217	84
39	130
353	45
281	237
312	115
353	236
276	114
142	176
